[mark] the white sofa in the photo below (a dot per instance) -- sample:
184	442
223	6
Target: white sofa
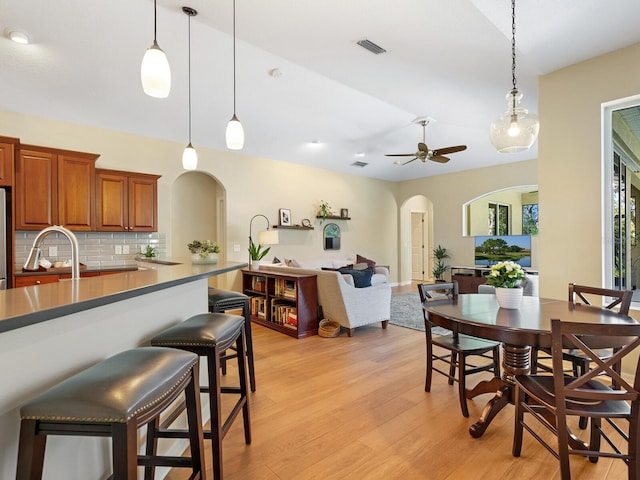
341	301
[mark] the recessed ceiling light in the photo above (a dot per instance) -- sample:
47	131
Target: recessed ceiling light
360	154
17	36
275	73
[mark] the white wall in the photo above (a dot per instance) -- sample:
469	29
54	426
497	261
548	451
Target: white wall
570	165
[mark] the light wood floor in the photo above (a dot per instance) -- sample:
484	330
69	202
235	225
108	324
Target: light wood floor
355	408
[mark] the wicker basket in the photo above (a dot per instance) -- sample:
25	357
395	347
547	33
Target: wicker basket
328	328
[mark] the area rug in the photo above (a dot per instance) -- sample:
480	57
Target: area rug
406	311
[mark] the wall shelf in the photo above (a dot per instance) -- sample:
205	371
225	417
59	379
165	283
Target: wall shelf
292	227
333	217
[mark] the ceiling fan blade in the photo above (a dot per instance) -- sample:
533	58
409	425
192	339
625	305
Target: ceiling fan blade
422	147
448	150
399	154
439	159
398	162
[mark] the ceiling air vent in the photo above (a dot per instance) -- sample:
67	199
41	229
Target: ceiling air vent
372	47
359	164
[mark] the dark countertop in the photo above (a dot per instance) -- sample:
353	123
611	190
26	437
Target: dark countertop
20	307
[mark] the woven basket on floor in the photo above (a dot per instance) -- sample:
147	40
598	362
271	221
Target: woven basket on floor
328	328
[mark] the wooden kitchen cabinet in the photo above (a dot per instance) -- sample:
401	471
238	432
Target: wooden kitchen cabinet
54	187
35	280
7	153
126	201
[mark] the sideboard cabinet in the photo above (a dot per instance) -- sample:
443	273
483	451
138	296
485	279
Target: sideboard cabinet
126	201
54	187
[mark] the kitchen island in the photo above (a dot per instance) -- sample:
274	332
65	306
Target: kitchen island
51	331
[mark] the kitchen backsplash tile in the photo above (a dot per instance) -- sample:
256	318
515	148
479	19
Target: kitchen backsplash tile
97	249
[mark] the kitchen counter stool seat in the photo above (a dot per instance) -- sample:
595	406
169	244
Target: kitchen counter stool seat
221	301
209	335
114	398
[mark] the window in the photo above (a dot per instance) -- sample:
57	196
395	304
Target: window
499	219
621	182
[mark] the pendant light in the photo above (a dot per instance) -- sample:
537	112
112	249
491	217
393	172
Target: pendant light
235	133
189	156
154	71
516	129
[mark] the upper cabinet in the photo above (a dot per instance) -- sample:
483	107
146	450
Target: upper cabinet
7	152
54	187
126	201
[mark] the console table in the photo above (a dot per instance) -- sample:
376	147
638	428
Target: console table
469	278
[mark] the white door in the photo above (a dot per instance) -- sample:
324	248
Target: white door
417	246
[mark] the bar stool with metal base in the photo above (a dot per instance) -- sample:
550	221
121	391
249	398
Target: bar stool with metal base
208	335
113	399
225	300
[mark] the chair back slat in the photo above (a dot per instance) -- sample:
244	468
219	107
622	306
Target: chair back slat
437	291
580	392
615	298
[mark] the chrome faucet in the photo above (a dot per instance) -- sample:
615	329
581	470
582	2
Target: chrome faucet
34	257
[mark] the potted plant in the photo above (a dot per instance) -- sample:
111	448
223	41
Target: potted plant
256	253
324	211
150	252
507	277
204	251
439	266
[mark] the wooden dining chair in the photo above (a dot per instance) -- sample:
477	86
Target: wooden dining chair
579	362
588	296
459	347
552	399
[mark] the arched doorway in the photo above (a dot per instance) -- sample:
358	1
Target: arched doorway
198	212
416	237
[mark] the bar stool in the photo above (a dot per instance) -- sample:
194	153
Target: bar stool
225	300
113	399
210	335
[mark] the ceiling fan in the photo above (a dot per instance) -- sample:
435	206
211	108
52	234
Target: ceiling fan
423	154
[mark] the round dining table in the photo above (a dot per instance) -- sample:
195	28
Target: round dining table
518	329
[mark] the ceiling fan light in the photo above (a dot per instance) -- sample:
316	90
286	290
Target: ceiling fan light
234	134
516	129
155	72
189	158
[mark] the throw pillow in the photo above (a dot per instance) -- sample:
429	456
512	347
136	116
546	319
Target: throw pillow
361	278
369	262
276	260
291	262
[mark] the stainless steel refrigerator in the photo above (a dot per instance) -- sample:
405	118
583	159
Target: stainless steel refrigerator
3	239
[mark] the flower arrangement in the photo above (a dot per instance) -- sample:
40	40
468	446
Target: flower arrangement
203	248
505	275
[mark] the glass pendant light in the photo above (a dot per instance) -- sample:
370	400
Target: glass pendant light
235	133
516	129
155	73
189	156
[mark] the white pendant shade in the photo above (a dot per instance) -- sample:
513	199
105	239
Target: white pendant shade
234	134
189	158
155	72
516	129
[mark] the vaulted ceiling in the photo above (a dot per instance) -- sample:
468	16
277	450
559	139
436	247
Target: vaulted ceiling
330	102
